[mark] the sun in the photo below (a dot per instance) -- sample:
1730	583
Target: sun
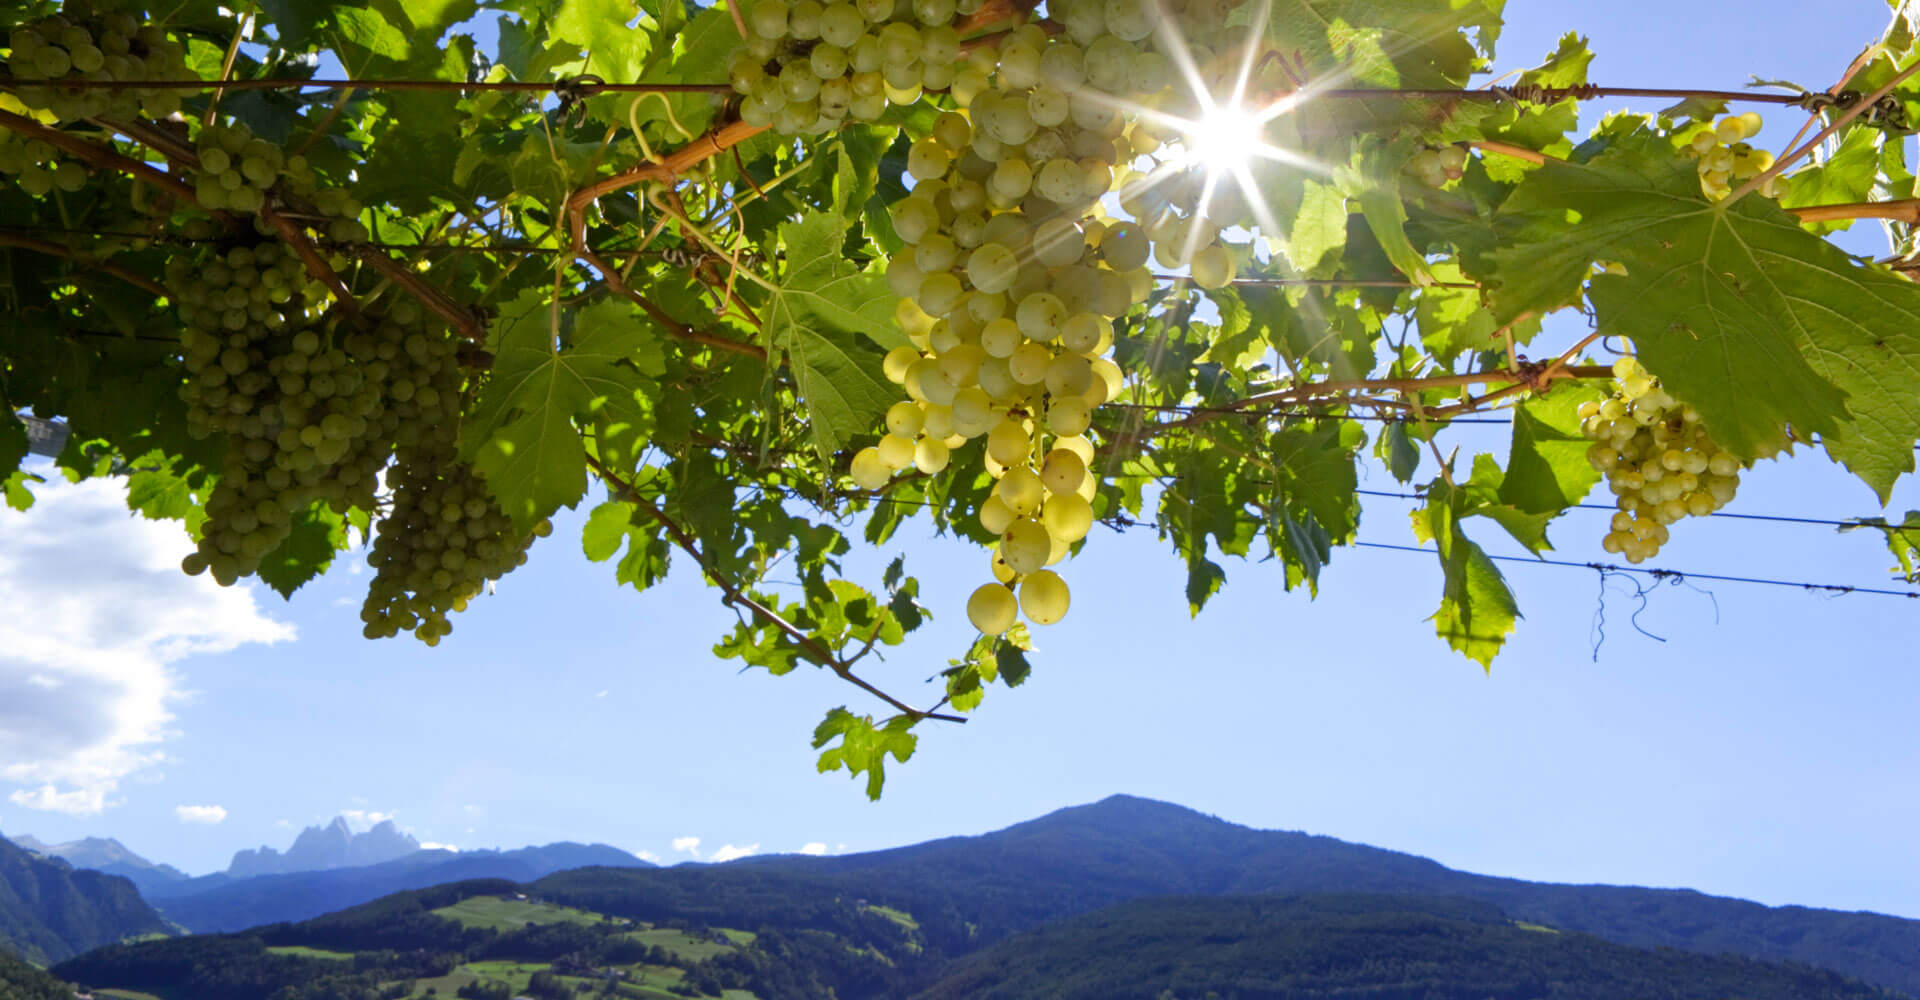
1226	139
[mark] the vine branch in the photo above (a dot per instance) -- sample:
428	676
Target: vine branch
610	276
99	155
735	595
105	267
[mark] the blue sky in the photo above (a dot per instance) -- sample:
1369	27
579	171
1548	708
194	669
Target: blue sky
1763	749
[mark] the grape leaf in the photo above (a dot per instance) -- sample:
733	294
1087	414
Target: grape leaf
1320	228
1903	540
1382	43
521	435
606	528
1547	467
158	492
821	301
1846	176
15	487
1397	449
371	32
600	28
1373	182
1481	497
1477	609
1754	321
308	550
13	439
863	746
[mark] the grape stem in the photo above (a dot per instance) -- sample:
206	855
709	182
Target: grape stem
734	595
1793	156
610	276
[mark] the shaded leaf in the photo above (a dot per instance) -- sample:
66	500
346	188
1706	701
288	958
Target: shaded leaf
308	550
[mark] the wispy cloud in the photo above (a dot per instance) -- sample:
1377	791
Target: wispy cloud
428	845
208	815
97	613
689	845
599	695
361	818
729	852
646	855
816	848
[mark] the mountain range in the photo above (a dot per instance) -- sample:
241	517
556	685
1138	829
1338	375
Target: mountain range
109	856
50	910
968	891
1010	913
221	902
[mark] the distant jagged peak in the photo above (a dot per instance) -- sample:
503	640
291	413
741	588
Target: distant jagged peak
320	848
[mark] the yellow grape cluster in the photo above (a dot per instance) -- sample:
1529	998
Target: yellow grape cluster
103	49
444	538
38	167
1012	276
1658	459
1725	158
807	67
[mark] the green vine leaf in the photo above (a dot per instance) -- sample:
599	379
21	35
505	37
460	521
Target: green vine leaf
1477	609
13	439
521	434
1903	540
1756	322
863	746
832	318
1547	467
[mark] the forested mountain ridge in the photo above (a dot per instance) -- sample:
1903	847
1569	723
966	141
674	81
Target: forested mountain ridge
50	910
494	940
1327	946
20	981
969	891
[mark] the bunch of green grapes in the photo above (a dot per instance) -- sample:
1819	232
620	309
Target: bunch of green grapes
807	67
443	540
105	48
1725	158
1435	167
1010	284
310	413
38	167
1658	459
238	171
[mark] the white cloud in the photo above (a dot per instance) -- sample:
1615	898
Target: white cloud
691	845
646	855
362	819
728	852
283	824
816	848
97	612
200	814
428	845
600	695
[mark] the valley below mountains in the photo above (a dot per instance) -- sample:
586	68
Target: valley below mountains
1122	898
